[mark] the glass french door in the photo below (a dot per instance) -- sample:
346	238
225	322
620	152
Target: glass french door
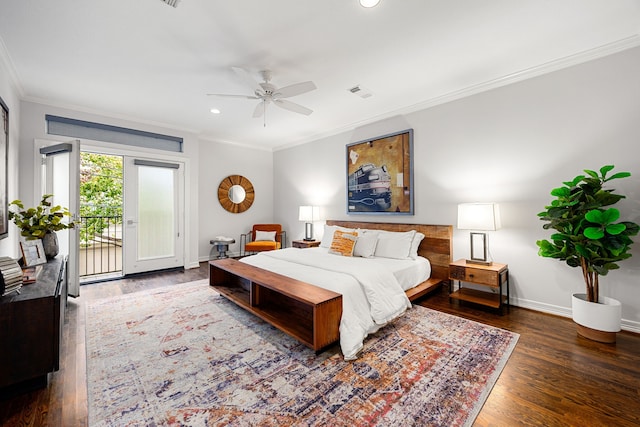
59	175
153	226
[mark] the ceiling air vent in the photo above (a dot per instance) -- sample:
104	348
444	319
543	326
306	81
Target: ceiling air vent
173	3
360	91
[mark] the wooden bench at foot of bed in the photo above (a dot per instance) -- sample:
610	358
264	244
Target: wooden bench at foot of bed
306	312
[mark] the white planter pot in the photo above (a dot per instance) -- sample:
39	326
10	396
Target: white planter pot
604	316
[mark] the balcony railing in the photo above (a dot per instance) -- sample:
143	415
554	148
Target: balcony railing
100	246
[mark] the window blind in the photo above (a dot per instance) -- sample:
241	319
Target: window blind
74	128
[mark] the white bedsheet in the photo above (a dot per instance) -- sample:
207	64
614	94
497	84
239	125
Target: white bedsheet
409	272
371	294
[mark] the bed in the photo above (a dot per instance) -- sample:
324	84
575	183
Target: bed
370	291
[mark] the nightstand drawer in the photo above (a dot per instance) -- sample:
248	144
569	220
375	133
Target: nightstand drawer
474	275
483	277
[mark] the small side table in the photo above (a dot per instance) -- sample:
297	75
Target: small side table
303	244
495	278
222	246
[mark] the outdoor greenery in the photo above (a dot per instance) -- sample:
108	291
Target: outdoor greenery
35	222
587	234
101	187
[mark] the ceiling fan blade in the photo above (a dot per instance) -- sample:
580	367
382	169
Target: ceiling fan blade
260	108
223	95
292	106
250	81
295	89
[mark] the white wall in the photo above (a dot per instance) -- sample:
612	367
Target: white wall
510	145
217	161
10	95
32	126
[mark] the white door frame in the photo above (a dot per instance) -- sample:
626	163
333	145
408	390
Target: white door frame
43	184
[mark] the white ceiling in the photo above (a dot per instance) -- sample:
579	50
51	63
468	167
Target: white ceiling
152	63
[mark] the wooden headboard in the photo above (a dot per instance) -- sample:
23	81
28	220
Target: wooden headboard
437	246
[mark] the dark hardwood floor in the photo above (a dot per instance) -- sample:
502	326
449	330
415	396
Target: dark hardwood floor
553	378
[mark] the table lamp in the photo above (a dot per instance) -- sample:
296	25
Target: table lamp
479	217
308	214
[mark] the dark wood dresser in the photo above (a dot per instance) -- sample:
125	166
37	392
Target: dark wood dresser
31	325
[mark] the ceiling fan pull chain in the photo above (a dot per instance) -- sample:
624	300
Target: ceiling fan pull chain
264	113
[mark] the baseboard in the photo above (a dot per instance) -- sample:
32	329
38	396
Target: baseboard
194	264
631	326
539	306
626	325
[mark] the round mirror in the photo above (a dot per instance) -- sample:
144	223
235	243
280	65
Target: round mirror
236	193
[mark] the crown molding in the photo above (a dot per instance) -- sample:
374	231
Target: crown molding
518	76
5	58
535	71
207	138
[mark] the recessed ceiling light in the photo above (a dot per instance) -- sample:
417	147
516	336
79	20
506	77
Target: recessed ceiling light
215	111
369	3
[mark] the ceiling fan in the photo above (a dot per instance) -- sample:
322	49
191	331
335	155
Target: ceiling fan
267	93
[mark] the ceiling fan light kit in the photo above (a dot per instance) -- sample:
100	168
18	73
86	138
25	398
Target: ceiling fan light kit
267	93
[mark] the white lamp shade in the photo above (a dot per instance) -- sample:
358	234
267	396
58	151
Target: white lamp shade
479	216
309	213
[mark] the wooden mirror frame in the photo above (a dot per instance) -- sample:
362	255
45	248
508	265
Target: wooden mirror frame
223	193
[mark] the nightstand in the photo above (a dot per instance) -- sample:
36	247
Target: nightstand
494	277
302	244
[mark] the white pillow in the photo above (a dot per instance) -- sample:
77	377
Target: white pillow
327	237
413	254
366	244
265	236
362	231
396	245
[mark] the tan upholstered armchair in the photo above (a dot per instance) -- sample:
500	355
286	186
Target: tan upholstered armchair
263	237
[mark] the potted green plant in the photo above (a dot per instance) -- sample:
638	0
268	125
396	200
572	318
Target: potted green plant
588	236
41	222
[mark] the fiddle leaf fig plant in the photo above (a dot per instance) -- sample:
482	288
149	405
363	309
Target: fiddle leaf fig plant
587	234
35	222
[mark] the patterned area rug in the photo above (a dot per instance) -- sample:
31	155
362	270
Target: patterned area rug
185	356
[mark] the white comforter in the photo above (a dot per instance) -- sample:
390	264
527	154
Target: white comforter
371	295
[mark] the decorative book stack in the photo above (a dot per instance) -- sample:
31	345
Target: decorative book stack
10	276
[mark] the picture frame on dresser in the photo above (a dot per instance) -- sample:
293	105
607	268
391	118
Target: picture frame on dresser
32	252
380	175
4	153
